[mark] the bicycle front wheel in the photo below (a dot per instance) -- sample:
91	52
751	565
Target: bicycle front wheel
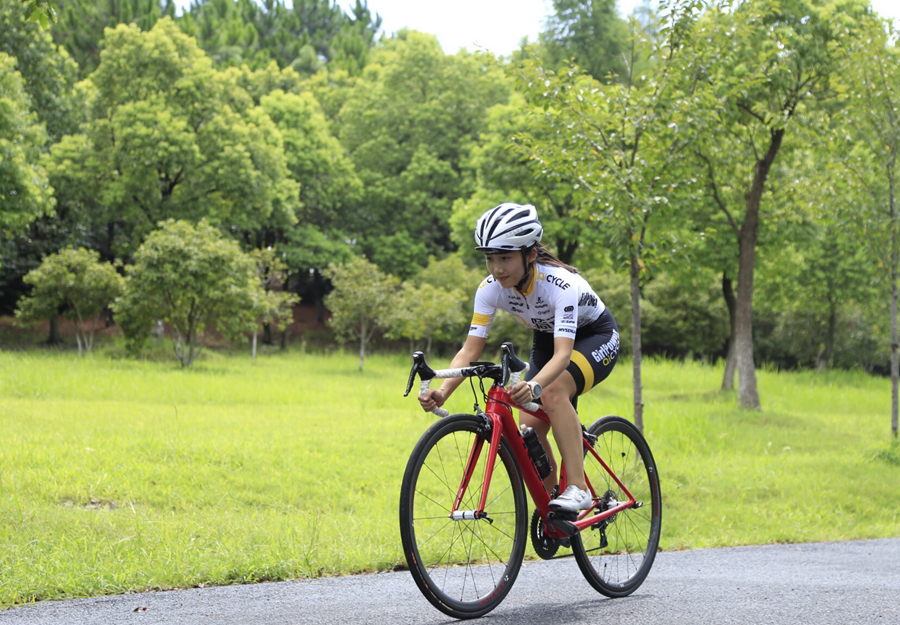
616	554
463	566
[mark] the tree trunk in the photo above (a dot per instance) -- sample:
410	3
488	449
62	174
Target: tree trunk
54	338
362	345
895	339
78	339
748	396
428	348
253	350
284	337
731	358
636	341
267	334
824	355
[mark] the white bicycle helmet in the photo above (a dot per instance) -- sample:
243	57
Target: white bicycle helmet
508	227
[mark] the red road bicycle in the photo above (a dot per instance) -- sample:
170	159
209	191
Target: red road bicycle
464	518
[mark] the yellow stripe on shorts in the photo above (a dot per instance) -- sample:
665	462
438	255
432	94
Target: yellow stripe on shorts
586	370
480	320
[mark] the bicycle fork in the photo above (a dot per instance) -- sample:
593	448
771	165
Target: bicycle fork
496	432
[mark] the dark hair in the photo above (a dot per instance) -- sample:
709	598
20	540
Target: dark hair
546	258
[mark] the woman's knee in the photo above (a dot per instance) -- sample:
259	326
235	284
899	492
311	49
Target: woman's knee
559	394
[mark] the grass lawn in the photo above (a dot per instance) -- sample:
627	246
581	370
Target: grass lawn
120	475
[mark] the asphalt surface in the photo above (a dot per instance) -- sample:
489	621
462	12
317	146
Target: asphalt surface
815	584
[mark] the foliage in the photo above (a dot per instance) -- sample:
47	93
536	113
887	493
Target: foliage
25	193
361	301
41	11
75	283
49	74
316	159
82	23
169	137
194	280
685	315
589	33
278	304
407	123
507	174
304	36
427	312
621	142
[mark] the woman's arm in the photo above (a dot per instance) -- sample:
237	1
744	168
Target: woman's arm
470	352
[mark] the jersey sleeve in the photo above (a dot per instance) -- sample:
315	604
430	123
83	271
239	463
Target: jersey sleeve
565	321
485	308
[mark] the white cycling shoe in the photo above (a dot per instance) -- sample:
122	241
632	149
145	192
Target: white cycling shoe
572	499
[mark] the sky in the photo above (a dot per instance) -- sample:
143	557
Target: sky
494	25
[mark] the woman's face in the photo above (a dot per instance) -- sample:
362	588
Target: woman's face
508	268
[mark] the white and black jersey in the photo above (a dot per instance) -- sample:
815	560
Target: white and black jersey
555	301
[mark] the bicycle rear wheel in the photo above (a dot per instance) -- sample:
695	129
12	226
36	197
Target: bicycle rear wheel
463	567
616	554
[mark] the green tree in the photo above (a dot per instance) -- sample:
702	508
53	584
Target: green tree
81	24
870	83
304	36
25	193
360	302
774	64
193	279
329	188
48	72
504	173
76	283
428	313
169	137
589	33
272	271
407	124
621	143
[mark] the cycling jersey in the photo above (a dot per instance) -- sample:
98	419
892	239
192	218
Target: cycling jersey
555	300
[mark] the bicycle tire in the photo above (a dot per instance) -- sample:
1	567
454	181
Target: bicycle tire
464	568
616	555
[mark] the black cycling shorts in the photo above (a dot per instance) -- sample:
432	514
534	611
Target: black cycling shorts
594	354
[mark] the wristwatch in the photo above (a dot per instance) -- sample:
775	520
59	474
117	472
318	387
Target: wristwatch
535	389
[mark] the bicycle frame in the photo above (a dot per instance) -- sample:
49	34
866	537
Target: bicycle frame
499	411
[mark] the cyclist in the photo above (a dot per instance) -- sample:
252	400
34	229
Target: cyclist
576	339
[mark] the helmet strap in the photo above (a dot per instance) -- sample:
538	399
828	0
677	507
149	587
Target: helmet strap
528	268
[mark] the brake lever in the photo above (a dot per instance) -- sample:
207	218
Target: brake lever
421	367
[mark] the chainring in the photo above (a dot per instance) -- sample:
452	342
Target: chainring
544	546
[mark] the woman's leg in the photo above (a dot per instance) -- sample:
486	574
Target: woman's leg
557	401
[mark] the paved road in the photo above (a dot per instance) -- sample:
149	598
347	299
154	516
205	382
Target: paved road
814	584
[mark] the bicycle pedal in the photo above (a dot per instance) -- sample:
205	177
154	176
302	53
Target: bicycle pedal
563	522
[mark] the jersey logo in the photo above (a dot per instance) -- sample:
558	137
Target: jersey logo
541	325
588	300
554	280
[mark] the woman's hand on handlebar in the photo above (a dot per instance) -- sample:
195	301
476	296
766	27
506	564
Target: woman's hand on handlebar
521	393
431	399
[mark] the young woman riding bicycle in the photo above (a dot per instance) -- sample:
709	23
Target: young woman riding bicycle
576	339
